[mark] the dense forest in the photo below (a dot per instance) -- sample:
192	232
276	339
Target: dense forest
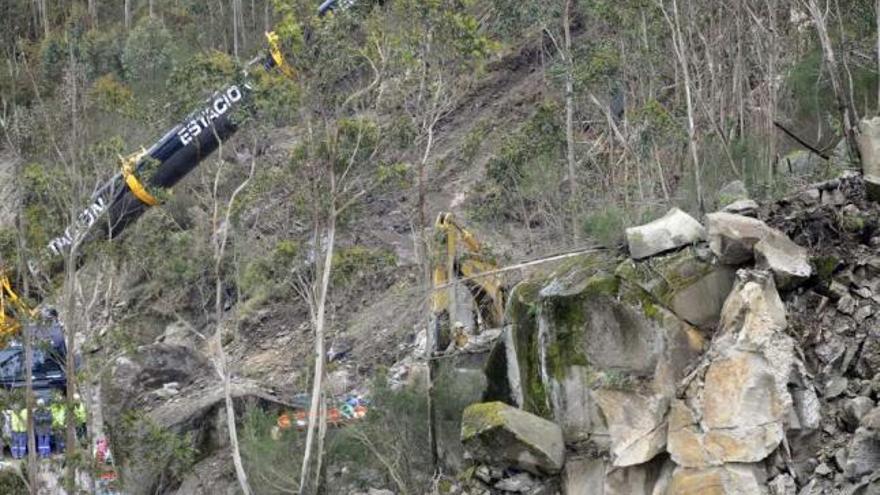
297	265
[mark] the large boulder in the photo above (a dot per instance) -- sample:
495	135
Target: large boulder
869	148
690	282
733	237
583	333
735	409
672	231
497	434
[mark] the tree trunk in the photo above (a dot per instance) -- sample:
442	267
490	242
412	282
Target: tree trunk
152	13
33	466
221	228
93	13
681	55
127	14
569	123
847	113
236	10
317	384
877	13
70	329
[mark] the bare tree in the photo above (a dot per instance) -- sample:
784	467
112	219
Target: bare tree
333	189
680	48
220	231
848	116
568	59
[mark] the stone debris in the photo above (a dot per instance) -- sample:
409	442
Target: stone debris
672	231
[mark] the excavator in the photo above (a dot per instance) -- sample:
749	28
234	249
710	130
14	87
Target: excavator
460	256
122	199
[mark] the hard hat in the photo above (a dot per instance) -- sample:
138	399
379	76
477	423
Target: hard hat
75	396
41	401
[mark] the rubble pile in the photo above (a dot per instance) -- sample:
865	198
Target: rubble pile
736	358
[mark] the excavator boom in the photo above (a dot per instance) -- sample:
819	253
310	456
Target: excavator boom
473	266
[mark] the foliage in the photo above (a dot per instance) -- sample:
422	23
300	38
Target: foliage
390	439
267	458
150	447
356	262
111	95
148	54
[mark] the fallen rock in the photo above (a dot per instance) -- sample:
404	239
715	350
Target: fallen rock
799	163
869	148
782	485
855	409
731	192
733	237
733	479
789	262
846	305
864	448
518	483
672	231
636	423
745	207
495	433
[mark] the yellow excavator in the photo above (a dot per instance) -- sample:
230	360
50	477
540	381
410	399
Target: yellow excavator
11	304
459	256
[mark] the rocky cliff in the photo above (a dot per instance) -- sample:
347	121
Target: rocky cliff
737	357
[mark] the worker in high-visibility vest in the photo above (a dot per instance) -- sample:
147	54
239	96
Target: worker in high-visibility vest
79	412
19	432
59	417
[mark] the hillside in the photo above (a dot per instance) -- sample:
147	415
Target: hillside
306	244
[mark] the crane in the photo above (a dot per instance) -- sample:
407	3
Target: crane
122	199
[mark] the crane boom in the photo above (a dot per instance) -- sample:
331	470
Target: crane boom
128	194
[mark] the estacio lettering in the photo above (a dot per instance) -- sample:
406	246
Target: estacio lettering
217	107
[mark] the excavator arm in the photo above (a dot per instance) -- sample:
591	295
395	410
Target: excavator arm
459	255
11	305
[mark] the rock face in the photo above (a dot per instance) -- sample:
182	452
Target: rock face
782	399
673	230
691	283
495	433
735	412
